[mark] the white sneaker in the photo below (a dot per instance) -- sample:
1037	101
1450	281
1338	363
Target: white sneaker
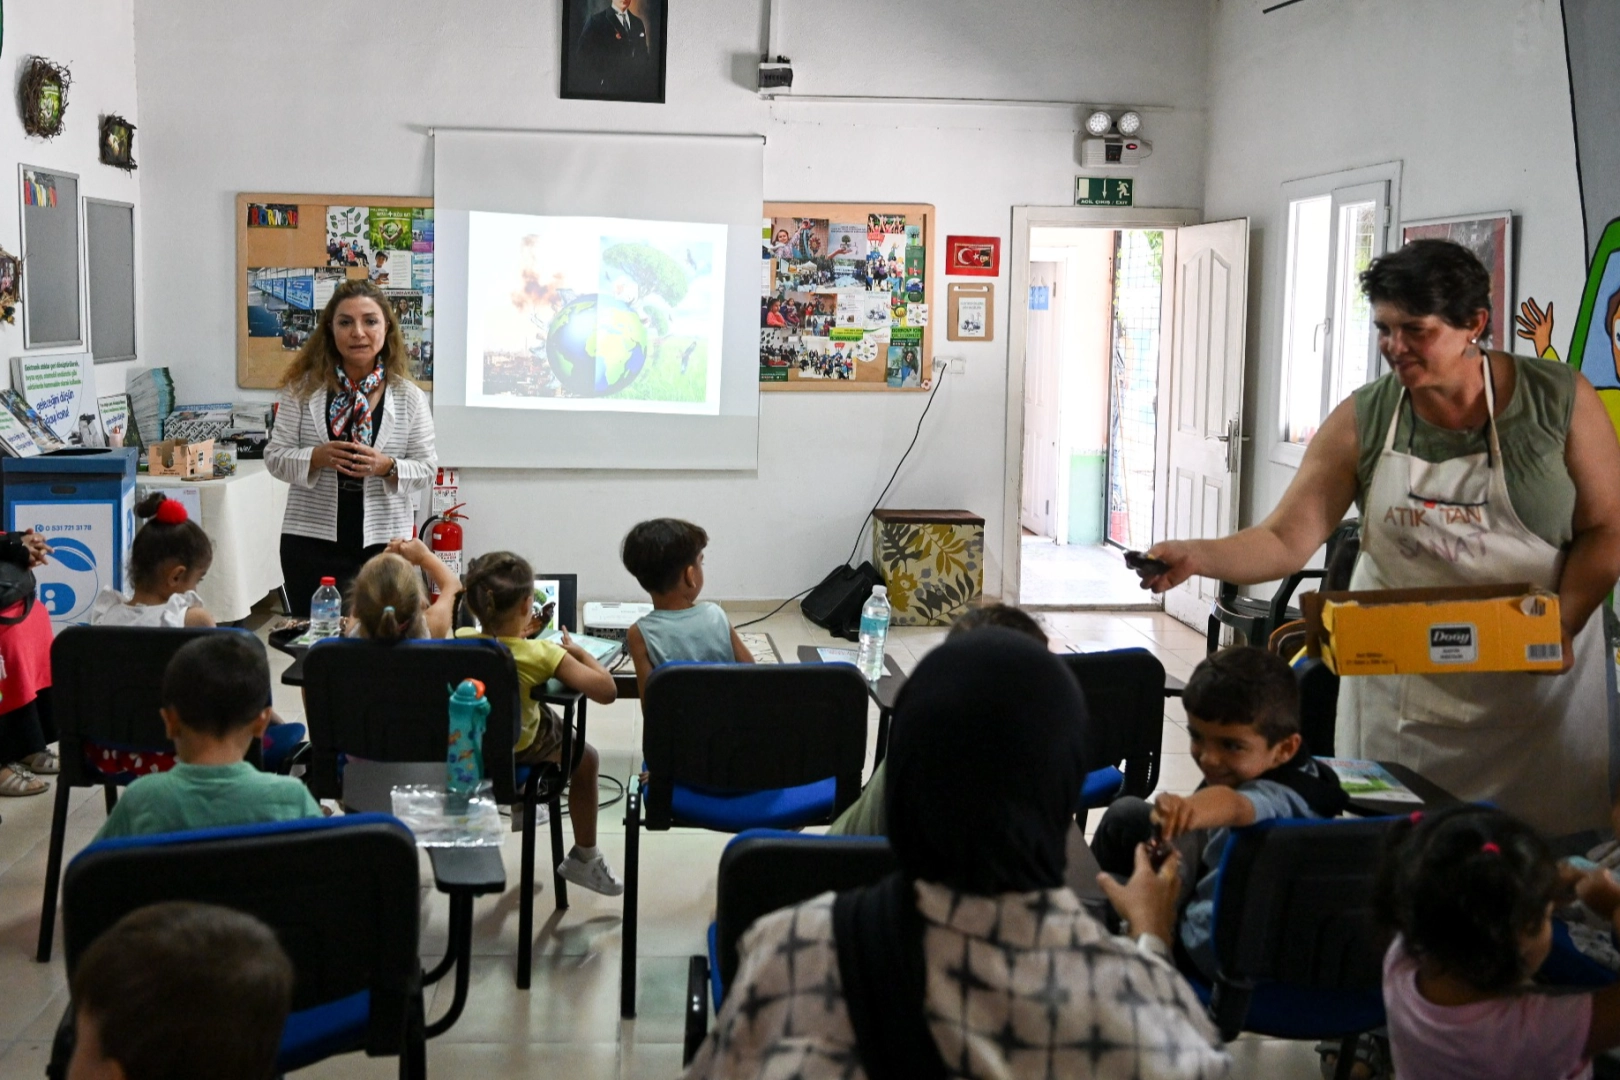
595	875
542	816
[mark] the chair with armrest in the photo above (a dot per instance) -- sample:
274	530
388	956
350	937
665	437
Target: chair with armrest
761	871
731	747
107	688
1257	619
390	703
1124	691
1298	952
341	895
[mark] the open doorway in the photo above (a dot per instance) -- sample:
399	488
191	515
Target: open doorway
1091	383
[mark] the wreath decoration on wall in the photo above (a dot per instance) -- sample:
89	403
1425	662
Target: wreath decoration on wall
43	97
117	143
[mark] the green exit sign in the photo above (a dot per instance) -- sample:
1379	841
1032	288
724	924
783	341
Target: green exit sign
1104	191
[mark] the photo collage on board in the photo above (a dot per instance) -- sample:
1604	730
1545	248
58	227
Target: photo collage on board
394	245
842	300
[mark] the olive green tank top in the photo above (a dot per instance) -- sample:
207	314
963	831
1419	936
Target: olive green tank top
1532	429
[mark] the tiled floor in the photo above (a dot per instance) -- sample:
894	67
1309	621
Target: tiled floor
1078	576
568	1024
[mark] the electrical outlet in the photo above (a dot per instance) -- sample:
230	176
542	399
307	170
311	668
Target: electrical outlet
953	364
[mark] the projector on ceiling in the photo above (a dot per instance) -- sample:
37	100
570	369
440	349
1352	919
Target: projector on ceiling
1116	151
612	620
775	76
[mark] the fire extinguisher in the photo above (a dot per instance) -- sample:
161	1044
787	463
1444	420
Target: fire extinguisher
444	538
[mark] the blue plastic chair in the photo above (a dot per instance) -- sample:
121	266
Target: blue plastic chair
732	747
107	684
341	894
1298	952
1124	692
761	871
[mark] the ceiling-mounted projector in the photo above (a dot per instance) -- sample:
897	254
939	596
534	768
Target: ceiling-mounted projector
1113	150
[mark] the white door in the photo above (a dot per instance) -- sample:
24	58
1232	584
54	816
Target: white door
1041	423
1202	408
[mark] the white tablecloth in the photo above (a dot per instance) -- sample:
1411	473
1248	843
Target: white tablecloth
242	516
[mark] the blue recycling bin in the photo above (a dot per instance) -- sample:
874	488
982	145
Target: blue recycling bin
83	503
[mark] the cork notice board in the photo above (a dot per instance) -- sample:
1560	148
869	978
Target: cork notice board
292	250
846	297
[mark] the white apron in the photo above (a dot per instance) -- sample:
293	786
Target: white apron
1536	745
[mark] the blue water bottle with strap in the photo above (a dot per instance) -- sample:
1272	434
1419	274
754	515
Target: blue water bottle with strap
464	761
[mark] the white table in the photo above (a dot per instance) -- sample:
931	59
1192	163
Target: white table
242	516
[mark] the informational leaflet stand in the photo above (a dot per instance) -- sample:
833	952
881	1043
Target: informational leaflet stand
83	503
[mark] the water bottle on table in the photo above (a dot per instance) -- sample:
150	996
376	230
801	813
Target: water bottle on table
326	610
464	759
874	632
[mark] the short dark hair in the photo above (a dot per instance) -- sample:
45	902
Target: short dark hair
158	543
1245	686
1431	277
657	552
185	991
1461	886
1003	615
219	683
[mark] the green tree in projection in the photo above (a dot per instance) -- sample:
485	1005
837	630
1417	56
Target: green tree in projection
654	272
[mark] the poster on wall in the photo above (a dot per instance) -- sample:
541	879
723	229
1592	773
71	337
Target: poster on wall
1488	236
841	286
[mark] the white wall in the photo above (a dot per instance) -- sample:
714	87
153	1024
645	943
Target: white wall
95	40
1472	96
336	98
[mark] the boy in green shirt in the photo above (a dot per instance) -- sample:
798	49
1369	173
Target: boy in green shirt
216	703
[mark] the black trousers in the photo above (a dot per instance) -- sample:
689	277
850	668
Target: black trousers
1127	822
27	729
305	560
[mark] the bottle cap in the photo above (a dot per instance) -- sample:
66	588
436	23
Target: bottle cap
880	590
476	685
328	581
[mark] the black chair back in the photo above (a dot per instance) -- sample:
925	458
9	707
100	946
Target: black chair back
752	727
1293	905
107	687
1124	691
391	702
1318	705
341	894
766	871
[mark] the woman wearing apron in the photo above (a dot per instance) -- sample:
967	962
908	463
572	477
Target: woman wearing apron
1469	467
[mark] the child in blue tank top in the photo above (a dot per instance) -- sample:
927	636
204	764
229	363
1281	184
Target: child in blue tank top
666	557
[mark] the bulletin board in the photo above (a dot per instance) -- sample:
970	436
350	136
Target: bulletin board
846	297
293	250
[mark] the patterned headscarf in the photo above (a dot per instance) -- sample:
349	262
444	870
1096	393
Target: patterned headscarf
350	414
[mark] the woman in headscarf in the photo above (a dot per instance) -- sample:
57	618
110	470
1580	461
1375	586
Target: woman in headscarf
974	959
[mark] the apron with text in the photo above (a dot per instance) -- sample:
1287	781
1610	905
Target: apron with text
1536	745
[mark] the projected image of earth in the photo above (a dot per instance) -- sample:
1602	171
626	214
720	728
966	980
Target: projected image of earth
594	313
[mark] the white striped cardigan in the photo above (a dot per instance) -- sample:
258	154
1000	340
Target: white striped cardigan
405	434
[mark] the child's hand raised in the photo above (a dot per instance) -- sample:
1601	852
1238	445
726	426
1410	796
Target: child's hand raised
1174	815
1148	900
412	551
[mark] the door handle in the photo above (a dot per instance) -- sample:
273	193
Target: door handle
1232	439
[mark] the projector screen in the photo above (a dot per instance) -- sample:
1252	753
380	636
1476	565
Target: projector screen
595	308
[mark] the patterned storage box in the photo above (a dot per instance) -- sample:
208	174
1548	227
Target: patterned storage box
933	562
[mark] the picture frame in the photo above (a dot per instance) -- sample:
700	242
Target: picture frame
970	311
42	97
10	286
116	142
614	50
1490	237
973	256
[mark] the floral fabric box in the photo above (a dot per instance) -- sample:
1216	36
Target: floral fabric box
932	561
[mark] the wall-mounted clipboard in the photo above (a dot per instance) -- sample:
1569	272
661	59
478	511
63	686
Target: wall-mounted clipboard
970	311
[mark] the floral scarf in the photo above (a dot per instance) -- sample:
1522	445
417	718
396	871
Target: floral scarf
349	415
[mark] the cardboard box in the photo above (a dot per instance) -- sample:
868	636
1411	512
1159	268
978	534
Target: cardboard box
176	457
1435	631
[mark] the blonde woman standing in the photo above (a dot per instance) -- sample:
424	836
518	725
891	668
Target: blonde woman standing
354	439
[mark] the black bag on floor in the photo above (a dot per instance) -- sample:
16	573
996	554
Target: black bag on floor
835	605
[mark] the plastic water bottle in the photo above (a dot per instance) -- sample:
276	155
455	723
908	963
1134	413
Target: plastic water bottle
326	610
874	632
464	759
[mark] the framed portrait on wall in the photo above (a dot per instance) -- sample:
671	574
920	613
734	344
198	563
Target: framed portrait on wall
613	50
1490	237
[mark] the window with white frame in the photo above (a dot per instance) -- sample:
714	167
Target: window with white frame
1336	225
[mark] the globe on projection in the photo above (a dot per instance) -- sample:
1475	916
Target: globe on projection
605	314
